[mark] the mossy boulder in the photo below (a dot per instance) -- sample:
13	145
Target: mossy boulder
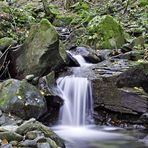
105	33
21	99
40	53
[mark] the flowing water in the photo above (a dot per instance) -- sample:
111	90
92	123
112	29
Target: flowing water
77	108
76	124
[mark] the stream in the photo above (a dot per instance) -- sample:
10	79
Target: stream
76	125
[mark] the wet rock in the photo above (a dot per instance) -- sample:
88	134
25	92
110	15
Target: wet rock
14	143
6	146
132	55
89	54
2	120
33	135
42	140
40	53
29	77
28	143
144	117
105	53
119	87
1	113
107	79
72	61
43	145
49	89
32	124
136	76
21	96
10	136
126	48
8	119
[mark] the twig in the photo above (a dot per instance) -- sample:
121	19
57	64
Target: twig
6	68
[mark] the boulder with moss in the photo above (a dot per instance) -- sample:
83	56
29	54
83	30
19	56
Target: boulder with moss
105	33
21	99
41	52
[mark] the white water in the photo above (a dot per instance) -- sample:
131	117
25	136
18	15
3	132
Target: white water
75	118
79	59
77	95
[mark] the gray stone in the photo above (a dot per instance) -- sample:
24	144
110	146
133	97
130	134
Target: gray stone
33	135
21	99
40	54
87	53
28	143
31	125
1	113
10	136
43	145
6	146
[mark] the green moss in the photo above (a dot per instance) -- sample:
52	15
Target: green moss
143	3
6	42
4	7
106	32
143	65
62	52
63	20
50	78
45	24
7	91
41	39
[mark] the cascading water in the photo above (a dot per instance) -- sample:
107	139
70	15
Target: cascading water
77	95
75	118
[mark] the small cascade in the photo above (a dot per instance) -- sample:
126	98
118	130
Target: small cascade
80	59
77	95
75	118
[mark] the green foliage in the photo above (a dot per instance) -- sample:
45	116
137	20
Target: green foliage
79	6
22	17
143	2
54	9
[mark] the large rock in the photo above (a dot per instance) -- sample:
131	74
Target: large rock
106	32
40	53
115	86
21	99
48	88
101	33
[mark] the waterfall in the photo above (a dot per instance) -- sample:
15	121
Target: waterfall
77	95
76	124
80	59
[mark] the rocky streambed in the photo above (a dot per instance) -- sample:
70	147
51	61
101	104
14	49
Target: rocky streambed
34	53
